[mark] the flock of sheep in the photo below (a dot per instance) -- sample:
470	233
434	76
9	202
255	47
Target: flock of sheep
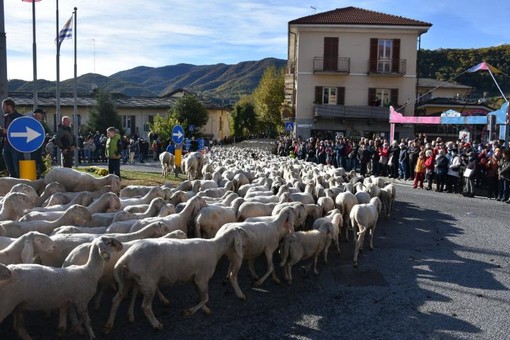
72	229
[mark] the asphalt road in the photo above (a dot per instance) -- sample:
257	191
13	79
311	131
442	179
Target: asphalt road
440	270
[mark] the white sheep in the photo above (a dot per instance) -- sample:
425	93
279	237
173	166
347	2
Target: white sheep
387	196
167	161
364	217
75	215
302	245
14	206
150	261
258	238
6	184
65	243
26	247
79	256
209	219
38	287
335	218
344	201
192	165
74	180
363	197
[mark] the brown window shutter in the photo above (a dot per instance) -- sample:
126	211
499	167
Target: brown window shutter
394	97
371	96
330	54
395	66
340	96
373	55
318	94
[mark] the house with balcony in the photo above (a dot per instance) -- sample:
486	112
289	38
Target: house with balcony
346	67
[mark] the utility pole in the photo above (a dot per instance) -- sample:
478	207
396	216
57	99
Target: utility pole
3	55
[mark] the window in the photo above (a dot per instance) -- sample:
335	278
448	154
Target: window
126	122
384	55
382	97
329	95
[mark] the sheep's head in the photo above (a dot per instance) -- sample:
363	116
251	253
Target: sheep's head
106	245
42	243
79	214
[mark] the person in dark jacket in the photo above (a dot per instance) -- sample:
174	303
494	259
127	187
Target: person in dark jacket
403	162
393	163
469	175
441	170
11	155
66	141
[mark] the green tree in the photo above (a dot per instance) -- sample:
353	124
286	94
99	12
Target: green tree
163	126
104	114
244	120
189	111
268	98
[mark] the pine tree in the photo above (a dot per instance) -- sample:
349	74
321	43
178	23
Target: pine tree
104	114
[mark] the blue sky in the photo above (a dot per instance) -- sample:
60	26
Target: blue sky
116	35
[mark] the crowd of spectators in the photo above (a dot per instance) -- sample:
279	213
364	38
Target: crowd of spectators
452	166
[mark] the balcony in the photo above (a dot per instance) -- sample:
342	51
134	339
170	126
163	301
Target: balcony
387	67
340	65
379	113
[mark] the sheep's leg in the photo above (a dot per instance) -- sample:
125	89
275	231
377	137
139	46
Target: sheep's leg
202	287
315	258
251	267
198	233
270	269
86	321
121	294
235	265
372	232
99	296
326	248
19	325
62	321
131	308
162	298
337	245
357	247
148	295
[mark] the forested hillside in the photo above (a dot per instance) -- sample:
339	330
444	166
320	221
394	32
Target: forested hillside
451	64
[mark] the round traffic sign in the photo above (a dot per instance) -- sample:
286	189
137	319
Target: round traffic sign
177	134
26	134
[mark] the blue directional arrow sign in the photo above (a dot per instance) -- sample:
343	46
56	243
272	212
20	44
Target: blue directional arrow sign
177	134
26	134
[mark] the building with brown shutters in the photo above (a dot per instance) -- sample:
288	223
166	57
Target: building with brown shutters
346	67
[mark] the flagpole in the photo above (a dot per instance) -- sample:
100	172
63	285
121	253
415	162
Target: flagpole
34	54
75	110
3	55
57	87
495	82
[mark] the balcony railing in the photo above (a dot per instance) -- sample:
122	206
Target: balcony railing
379	113
387	66
340	65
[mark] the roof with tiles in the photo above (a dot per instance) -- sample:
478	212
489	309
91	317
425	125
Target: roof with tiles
121	101
356	16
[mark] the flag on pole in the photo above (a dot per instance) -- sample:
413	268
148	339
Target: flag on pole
483	66
66	32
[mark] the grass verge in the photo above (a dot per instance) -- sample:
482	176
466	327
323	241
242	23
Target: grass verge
137	177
